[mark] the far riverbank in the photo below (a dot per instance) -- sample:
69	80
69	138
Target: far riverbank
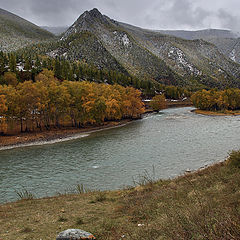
212	113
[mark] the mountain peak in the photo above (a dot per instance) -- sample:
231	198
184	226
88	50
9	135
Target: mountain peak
86	22
92	14
95	13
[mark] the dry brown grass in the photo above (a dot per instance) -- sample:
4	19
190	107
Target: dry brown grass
200	205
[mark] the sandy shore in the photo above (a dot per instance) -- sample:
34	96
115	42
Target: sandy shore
54	134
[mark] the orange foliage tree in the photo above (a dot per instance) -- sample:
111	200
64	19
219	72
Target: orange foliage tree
3	110
49	102
214	100
158	102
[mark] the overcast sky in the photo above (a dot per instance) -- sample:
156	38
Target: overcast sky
152	14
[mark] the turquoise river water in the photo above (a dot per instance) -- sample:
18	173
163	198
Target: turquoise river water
172	141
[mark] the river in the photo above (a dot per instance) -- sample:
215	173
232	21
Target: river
172	141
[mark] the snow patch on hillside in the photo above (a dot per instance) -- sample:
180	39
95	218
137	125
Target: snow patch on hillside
122	38
181	60
232	55
65	55
53	53
125	40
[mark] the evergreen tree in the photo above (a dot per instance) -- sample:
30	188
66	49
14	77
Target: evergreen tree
28	64
57	69
2	65
12	63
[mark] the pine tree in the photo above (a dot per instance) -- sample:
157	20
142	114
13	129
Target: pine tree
57	69
12	63
2	65
28	64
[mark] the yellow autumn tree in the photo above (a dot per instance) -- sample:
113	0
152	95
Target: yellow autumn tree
132	104
10	78
48	102
158	102
46	76
214	100
58	106
3	110
113	102
28	98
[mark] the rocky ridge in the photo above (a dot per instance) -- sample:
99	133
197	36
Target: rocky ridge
145	53
226	41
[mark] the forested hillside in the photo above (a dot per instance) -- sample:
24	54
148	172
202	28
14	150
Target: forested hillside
22	66
145	54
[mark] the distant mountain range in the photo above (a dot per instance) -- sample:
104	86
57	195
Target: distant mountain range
205	34
147	54
56	30
16	32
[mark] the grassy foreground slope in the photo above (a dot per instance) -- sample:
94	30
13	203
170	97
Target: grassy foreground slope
200	205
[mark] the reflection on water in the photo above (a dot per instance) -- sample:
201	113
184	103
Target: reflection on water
172	141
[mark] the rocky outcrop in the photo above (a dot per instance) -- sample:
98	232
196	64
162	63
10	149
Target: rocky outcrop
75	234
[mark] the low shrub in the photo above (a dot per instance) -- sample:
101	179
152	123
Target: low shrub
25	194
234	159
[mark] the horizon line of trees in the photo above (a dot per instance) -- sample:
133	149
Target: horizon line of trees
215	100
49	102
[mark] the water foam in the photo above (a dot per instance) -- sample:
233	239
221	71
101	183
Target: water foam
46	142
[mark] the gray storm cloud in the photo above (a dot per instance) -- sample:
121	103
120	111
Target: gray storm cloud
154	14
228	20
